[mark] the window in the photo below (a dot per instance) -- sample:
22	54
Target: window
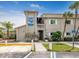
53	21
40	21
67	33
30	21
51	33
68	21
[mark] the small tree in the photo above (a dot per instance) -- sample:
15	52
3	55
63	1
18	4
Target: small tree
56	36
7	25
66	15
1	32
75	7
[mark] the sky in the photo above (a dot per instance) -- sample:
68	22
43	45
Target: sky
14	10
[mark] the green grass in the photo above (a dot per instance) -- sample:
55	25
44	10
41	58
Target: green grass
60	47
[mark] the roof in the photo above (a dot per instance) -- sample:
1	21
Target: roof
31	11
55	15
20	26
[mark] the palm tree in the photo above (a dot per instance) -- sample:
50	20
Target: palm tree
75	7
1	32
7	25
66	15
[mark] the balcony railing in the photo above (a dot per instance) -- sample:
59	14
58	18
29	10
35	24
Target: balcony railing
40	26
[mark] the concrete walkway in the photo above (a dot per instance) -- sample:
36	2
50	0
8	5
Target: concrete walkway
40	52
39	47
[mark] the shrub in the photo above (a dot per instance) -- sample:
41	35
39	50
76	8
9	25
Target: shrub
56	36
12	37
1	36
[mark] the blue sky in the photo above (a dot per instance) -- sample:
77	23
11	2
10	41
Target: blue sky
13	11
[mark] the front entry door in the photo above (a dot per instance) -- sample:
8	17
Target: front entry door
40	34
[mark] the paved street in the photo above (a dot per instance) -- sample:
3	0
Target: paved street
66	54
13	54
14	51
8	49
41	52
40	55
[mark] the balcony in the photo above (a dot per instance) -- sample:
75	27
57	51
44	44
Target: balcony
40	26
40	23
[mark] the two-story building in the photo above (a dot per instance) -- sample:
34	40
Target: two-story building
44	25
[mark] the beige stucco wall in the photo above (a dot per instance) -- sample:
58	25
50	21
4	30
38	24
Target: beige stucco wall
60	24
20	33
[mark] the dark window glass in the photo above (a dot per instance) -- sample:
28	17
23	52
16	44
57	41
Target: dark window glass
52	21
68	21
67	33
51	33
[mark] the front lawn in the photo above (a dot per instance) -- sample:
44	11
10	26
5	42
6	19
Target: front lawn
60	47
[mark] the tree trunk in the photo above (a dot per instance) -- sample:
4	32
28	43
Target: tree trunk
77	31
64	29
74	27
8	33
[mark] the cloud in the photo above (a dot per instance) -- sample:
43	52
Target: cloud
36	6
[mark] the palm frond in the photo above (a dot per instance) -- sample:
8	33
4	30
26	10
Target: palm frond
75	5
68	14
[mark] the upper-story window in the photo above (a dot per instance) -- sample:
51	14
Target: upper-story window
53	21
68	22
40	21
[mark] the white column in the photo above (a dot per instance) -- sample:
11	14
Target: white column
32	45
5	42
50	46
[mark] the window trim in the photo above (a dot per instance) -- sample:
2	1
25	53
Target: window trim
53	20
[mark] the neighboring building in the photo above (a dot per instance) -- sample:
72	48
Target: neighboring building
44	25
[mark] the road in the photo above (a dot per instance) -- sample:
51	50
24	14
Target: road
14	51
40	55
65	54
13	55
